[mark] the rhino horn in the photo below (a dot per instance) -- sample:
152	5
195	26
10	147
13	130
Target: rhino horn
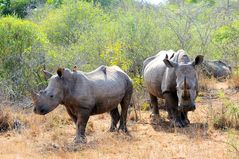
34	96
185	87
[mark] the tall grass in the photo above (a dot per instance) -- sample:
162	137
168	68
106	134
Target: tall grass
229	115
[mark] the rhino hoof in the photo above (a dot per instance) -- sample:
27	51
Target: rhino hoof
177	123
169	117
186	122
123	128
80	140
155	119
112	129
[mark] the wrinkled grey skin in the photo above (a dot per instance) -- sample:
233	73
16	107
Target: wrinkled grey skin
85	94
216	69
171	76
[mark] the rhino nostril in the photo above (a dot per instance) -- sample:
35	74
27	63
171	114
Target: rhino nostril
180	108
193	107
34	110
42	110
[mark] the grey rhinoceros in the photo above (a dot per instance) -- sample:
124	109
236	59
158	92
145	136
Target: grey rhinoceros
85	94
217	69
171	76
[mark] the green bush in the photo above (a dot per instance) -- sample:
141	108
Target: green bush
88	36
14	7
229	116
22	55
89	33
83	34
55	3
226	38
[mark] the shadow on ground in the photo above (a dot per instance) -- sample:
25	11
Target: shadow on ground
193	130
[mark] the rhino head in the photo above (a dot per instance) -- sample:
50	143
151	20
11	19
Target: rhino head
186	82
48	99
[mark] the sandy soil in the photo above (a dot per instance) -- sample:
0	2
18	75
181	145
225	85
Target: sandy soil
51	136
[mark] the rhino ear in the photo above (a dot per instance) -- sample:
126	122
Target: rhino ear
198	60
60	72
47	74
170	64
172	56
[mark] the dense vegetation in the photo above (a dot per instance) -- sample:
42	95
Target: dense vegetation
46	34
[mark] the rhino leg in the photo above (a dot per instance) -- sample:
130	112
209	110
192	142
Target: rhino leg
155	117
171	102
123	117
154	102
73	117
184	116
115	116
82	120
124	109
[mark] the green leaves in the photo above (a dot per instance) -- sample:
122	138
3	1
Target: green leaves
227	33
14	7
55	3
113	55
227	39
211	2
21	54
89	33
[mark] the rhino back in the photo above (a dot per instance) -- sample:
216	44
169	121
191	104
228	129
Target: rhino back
112	82
146	61
156	74
109	87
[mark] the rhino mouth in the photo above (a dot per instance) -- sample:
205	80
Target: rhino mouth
186	108
41	110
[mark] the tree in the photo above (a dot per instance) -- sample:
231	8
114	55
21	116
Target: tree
227	39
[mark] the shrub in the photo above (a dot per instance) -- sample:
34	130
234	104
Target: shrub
14	7
83	34
22	55
205	83
234	82
5	121
229	116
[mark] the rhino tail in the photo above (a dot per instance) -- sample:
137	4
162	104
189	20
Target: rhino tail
104	70
146	62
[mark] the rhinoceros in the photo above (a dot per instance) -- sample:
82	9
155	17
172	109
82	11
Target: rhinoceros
85	94
171	76
217	69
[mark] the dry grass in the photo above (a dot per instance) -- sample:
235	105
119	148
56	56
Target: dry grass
228	116
206	83
5	121
51	136
234	82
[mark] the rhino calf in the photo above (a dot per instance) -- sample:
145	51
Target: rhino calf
171	76
85	94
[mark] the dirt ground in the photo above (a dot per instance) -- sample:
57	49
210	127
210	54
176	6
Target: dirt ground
51	136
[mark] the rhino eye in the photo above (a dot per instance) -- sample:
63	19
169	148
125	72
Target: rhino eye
51	96
41	91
